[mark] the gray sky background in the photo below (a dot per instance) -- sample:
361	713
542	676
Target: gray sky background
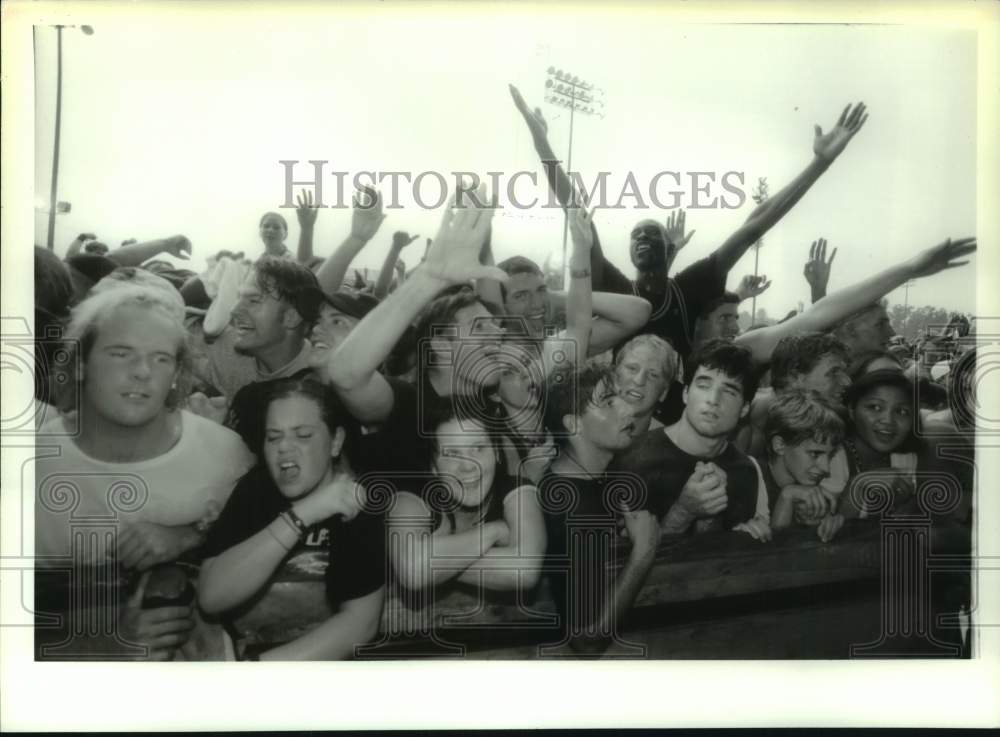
177	127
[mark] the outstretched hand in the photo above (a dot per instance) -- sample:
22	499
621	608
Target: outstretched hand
453	256
752	286
941	257
675	230
305	212
178	246
817	268
534	119
367	216
828	146
401	239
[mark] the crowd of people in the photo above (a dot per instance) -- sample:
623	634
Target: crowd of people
462	423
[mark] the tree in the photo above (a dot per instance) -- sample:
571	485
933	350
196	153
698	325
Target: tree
911	322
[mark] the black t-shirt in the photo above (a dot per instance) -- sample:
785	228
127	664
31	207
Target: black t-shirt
664	469
351	553
582	516
682	301
672	407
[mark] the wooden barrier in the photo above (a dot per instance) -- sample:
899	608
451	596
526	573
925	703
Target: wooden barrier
716	595
703	577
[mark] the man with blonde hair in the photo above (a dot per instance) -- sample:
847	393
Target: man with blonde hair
125	455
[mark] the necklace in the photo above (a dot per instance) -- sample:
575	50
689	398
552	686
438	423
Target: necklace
883	461
599	477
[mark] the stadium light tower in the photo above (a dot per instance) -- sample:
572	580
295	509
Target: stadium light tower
566	90
53	205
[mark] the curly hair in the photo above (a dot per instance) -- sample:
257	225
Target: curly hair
287	281
799	354
569	390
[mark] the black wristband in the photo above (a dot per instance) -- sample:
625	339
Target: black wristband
295	520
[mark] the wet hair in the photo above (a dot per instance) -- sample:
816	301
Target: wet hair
735	361
726	298
799	415
799	354
331	409
82	332
287	281
859	366
266	215
569	390
671	360
518	265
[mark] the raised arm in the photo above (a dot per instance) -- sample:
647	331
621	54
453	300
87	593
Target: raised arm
817	269
77	244
578	300
365	221
830	310
307	215
489	289
453	258
400	240
604	275
826	148
752	286
138	253
615	318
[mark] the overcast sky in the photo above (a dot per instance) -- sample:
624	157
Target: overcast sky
177	126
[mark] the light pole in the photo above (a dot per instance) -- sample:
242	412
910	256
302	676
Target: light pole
566	90
89	31
759	195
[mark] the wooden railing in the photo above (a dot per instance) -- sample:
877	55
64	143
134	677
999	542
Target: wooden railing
698	577
714	595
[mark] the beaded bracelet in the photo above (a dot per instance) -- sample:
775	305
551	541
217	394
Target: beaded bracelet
295	521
